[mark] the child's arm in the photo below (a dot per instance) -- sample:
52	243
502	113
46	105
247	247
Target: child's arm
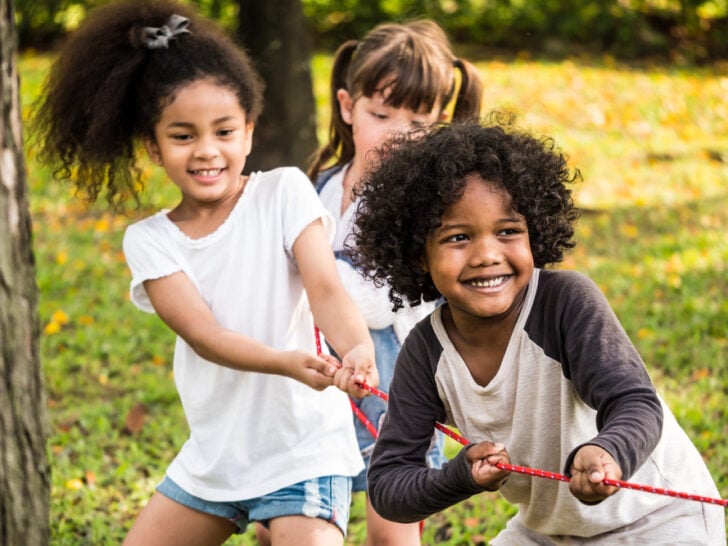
334	311
400	485
606	370
590	466
180	306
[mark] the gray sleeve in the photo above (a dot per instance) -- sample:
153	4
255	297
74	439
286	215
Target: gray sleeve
583	333
400	485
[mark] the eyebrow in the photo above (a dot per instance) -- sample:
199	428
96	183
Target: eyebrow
186	124
505	220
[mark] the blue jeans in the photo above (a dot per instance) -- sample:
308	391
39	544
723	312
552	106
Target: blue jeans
386	348
327	498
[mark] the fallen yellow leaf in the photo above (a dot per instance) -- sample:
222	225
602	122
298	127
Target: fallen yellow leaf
74	484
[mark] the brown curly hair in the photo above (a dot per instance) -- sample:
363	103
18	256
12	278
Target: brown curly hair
404	197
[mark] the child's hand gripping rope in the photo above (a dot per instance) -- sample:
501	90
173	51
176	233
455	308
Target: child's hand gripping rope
527	470
561	477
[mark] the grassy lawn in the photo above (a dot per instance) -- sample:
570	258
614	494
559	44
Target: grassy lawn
652	144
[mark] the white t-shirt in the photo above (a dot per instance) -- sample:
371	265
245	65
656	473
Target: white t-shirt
372	301
250	433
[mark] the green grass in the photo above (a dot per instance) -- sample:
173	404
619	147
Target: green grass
652	144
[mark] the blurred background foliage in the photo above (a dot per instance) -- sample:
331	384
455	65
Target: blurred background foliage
688	31
650	137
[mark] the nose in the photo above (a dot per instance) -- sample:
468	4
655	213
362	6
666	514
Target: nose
485	252
205	149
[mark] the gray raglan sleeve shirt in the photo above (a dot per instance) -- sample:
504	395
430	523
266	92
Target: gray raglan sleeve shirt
571	321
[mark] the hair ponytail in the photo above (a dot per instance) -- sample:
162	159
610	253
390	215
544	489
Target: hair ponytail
470	95
414	62
341	140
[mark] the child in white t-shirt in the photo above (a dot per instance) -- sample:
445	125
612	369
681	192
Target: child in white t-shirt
232	269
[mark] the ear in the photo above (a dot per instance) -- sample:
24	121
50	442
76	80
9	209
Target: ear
153	150
346	104
423	264
249	127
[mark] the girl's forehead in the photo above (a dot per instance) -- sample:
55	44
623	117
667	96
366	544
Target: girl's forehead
476	179
203	85
402	89
204	90
381	88
478	192
384	97
201	100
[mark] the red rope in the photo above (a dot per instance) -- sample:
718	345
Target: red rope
524	469
317	337
364	419
561	477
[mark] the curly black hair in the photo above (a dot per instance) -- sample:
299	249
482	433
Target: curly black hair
405	195
107	88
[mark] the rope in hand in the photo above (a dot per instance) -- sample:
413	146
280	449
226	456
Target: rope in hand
525	469
561	477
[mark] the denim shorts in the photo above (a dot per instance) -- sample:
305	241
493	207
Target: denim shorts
327	498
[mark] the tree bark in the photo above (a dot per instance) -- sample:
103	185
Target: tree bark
275	34
24	471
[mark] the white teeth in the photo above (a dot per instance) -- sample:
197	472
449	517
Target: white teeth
208	172
489	283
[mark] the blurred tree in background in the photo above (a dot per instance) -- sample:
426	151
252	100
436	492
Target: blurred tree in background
691	30
281	33
685	30
276	34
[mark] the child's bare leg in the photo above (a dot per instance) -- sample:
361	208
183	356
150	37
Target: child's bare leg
383	532
304	531
164	522
262	534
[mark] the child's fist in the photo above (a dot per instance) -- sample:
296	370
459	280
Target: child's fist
590	466
483	458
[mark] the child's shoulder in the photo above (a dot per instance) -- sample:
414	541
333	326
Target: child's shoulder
151	223
567	289
325	176
278	174
424	333
279	177
563	279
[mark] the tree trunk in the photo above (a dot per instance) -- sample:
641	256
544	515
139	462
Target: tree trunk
275	34
24	472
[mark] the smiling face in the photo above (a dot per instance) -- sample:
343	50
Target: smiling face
480	258
202	140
